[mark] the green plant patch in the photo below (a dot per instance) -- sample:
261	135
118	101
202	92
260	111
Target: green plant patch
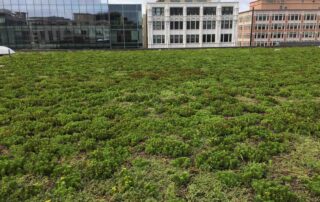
171	125
273	191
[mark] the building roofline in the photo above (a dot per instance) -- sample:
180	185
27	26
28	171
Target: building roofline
217	2
277	10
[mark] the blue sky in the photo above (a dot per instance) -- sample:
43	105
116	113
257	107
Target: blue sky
244	4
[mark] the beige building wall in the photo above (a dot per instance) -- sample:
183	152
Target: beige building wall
244	29
285	4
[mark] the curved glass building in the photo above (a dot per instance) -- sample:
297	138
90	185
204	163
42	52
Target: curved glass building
60	24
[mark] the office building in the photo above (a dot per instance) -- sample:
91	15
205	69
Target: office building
192	23
59	24
274	24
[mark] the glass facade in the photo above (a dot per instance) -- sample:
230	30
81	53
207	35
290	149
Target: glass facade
49	24
126	26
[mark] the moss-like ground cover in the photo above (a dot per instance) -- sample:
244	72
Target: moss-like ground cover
178	125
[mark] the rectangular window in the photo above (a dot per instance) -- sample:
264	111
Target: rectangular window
278	26
308	34
293	35
158	25
293	26
277	35
192	38
278	17
158	11
176	11
193	11
262	17
309	26
208	38
226	24
176	25
193	25
294	17
50	34
309	17
176	39
58	35
261	27
209	24
42	35
209	11
227	10
226	38
158	39
261	35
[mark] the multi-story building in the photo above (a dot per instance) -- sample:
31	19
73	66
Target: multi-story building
70	24
276	24
192	23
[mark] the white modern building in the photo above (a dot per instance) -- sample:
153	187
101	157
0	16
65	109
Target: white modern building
192	23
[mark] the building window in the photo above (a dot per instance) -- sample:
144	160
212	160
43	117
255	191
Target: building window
293	35
50	34
176	25
176	11
261	27
208	38
227	10
209	11
278	17
278	26
308	34
158	25
226	38
261	35
176	39
277	35
209	24
261	44
42	35
294	17
158	11
158	39
293	26
193	25
192	38
226	24
309	17
309	26
262	17
193	11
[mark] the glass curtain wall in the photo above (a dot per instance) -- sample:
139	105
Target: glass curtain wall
126	26
50	24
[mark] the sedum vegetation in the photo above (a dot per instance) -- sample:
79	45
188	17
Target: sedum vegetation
178	125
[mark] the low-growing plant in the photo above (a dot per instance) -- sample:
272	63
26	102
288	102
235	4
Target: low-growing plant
168	147
273	191
217	160
253	171
314	185
182	162
181	179
228	178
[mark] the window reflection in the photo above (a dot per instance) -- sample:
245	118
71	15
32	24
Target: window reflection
69	24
